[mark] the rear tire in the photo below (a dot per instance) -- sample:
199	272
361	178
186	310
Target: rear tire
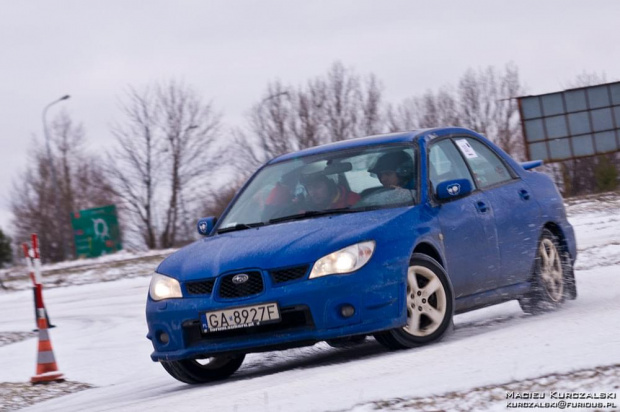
429	306
195	371
550	280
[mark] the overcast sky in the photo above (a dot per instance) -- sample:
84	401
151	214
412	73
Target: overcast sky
229	50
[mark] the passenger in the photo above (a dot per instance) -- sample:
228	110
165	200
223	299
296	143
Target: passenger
278	203
280	194
395	170
324	193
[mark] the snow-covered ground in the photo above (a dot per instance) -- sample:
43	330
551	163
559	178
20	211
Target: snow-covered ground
120	265
100	341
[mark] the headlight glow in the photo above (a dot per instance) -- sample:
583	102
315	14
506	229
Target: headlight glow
164	287
345	260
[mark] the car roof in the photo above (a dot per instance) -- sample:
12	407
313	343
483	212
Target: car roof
401	137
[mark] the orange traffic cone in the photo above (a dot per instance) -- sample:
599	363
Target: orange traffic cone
47	370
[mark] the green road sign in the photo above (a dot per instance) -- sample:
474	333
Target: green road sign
96	231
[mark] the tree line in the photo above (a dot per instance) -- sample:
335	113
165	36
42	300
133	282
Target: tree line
174	160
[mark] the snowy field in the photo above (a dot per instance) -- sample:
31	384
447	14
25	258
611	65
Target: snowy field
100	343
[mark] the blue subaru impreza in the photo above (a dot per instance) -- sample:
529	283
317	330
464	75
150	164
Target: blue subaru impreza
388	236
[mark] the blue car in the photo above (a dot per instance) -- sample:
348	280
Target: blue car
387	236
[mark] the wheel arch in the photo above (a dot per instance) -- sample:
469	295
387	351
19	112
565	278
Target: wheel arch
559	233
399	338
428	249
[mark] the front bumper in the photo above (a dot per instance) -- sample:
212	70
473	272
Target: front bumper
310	312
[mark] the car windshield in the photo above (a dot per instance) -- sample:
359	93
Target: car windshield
345	181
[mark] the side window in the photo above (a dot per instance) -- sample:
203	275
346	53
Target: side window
487	167
445	163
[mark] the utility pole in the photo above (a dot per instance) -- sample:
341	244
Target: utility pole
63	253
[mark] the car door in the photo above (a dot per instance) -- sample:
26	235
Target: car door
467	225
516	213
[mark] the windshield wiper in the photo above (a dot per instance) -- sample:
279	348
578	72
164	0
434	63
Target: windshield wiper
313	213
240	226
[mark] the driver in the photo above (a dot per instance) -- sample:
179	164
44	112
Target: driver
324	193
394	170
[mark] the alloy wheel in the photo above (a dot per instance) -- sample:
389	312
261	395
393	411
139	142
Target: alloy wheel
426	301
551	271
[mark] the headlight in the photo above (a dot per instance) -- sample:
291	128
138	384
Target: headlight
345	260
164	287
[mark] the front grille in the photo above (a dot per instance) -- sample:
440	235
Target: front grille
203	287
254	285
287	274
297	317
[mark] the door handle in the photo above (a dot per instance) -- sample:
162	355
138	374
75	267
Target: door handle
525	195
482	207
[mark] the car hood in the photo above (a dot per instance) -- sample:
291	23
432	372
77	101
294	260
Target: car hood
283	244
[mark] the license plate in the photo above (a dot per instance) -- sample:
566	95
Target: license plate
242	317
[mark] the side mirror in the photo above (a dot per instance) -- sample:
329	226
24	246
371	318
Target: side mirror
531	164
452	189
205	225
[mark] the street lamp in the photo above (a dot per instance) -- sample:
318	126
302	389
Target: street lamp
53	169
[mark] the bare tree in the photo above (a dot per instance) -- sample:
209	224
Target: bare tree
429	110
218	198
337	106
342	95
69	144
269	130
585	79
190	128
132	165
308	115
165	147
483	101
508	132
487	104
81	185
371	104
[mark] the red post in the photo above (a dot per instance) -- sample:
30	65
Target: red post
37	271
33	261
35	245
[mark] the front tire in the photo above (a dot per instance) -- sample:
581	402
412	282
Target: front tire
549	281
194	371
429	306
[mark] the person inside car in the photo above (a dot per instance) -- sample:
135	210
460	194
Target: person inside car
394	170
324	193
